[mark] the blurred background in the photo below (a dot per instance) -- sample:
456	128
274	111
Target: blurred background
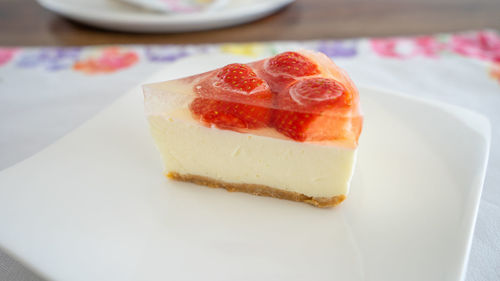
25	22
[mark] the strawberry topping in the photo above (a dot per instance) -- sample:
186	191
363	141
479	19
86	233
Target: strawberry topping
315	93
291	64
288	92
239	77
304	103
234	98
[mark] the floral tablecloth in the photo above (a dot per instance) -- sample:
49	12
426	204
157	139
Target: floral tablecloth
45	92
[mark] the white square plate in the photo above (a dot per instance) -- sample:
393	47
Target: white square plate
95	205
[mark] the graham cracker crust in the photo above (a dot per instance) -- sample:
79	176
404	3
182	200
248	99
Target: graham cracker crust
260	190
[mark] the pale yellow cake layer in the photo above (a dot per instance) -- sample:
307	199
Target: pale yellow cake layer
311	169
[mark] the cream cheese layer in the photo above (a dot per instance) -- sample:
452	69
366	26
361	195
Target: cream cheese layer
313	169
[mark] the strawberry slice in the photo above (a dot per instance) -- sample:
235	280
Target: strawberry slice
302	107
239	77
233	98
291	64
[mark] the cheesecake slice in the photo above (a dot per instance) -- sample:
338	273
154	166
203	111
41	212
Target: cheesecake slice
285	127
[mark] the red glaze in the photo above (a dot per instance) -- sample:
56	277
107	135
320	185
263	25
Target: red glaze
302	95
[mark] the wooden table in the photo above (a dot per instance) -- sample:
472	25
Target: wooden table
24	22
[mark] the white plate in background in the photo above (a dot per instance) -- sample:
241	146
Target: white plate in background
95	205
115	15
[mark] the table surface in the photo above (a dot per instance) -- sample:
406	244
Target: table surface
304	19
